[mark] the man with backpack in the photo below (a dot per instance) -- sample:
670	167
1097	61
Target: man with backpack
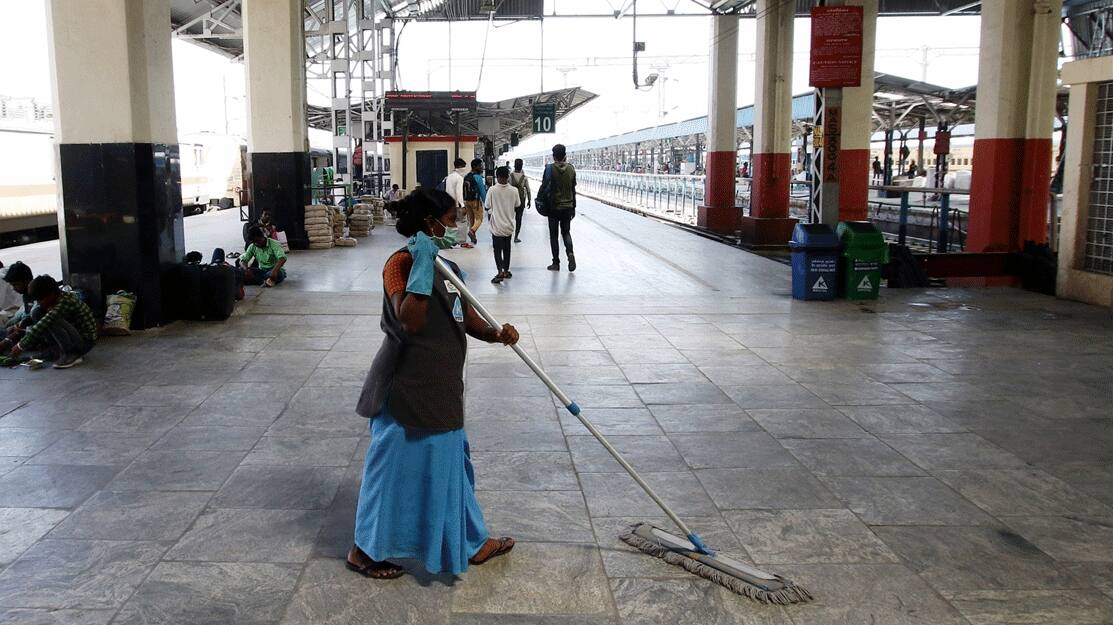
556	199
520	181
475	194
454	186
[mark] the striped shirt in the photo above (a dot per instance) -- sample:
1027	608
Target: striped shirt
71	309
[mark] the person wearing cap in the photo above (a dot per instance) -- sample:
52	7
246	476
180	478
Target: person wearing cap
62	326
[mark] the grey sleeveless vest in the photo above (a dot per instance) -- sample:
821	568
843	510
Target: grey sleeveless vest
421	375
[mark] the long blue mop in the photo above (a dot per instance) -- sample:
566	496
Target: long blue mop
689	552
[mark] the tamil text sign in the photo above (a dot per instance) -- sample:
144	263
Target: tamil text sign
836	57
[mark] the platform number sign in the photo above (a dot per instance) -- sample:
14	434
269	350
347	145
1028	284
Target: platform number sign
544	118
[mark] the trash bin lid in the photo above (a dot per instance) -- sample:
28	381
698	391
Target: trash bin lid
814	237
860	235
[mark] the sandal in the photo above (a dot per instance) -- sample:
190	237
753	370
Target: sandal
502	546
374	570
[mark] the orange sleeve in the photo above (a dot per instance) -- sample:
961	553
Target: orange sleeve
396	273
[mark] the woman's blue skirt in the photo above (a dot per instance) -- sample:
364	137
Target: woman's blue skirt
417	499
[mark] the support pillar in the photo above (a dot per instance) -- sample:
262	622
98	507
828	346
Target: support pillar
718	212
1011	178
277	133
768	222
857	125
117	161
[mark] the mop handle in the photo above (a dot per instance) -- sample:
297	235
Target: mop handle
568	403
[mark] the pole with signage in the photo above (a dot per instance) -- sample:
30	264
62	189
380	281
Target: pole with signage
836	62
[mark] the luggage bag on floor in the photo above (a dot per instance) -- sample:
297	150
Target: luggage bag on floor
218	291
187	286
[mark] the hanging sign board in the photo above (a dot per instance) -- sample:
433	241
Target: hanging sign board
544	118
942	142
836	56
436	101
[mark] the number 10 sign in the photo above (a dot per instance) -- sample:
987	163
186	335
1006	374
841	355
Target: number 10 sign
544	117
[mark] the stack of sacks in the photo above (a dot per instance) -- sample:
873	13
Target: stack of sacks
338	220
359	224
377	211
318	226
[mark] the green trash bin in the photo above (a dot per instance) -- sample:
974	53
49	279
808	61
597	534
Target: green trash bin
864	251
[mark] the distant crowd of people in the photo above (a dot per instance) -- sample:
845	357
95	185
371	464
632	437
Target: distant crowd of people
504	204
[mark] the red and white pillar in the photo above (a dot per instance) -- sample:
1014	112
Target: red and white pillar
1011	178
768	222
857	125
718	212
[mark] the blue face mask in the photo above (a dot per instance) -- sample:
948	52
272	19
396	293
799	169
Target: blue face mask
446	240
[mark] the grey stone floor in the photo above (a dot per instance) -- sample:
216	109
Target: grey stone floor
938	457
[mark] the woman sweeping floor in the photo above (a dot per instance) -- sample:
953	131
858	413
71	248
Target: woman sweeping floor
417	499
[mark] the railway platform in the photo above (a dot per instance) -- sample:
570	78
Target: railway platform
936	457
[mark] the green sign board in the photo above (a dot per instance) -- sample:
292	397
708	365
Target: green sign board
544	117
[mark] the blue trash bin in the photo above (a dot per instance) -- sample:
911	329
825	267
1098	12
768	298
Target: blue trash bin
815	262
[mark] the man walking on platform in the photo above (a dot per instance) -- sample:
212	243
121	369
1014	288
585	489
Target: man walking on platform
454	186
475	195
558	189
520	181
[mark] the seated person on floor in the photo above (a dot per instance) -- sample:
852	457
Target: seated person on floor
18	278
270	258
267	225
62	328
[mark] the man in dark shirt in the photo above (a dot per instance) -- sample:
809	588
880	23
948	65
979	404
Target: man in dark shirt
558	189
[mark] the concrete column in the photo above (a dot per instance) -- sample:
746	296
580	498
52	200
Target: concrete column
120	180
1011	177
768	222
718	212
277	132
857	125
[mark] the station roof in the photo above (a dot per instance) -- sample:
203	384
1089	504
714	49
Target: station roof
803	108
748	8
510	115
218	24
898	103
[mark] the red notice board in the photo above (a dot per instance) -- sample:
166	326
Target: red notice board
836	59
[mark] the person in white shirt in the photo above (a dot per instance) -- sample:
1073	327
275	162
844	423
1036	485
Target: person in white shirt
454	186
502	202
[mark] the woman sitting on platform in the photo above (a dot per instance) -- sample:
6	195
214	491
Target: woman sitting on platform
417	499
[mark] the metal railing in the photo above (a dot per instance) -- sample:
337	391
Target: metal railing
670	196
944	228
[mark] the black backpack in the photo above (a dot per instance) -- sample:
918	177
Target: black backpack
471	189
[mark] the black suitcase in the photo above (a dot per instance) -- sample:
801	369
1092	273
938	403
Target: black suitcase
218	291
187	287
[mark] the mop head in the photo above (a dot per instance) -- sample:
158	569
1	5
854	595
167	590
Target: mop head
725	571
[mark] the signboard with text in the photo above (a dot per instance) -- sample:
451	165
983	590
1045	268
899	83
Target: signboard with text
435	101
544	118
836	56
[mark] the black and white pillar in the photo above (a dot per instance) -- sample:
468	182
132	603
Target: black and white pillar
120	196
